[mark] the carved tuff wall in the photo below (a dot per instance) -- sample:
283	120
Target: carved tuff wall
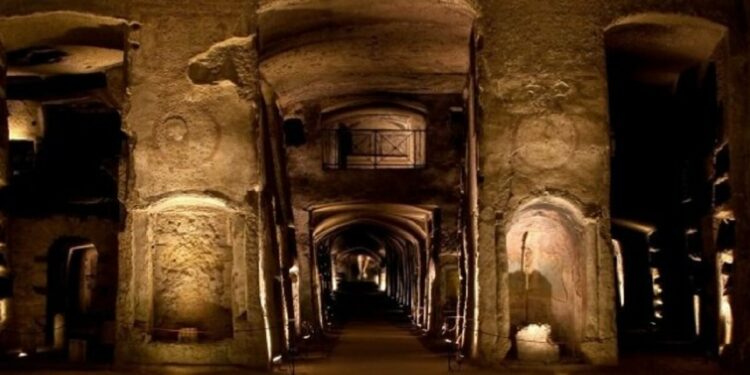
192	288
193	187
543	120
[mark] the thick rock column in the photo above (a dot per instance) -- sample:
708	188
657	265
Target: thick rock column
543	141
4	131
192	287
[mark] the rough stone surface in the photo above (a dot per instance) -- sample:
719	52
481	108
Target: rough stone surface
191	122
193	272
542	83
193	261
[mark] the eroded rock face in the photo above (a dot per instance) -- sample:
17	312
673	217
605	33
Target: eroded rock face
192	269
231	60
193	272
544	133
190	145
191	248
192	121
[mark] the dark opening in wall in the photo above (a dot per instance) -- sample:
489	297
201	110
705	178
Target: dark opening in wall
725	237
637	312
294	132
73	308
74	164
53	87
722	191
721	161
6	283
22	159
666	121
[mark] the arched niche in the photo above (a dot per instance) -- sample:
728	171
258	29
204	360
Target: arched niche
671	73
546	269
191	254
71	284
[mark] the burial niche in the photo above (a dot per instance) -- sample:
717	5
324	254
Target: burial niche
71	285
192	271
545	286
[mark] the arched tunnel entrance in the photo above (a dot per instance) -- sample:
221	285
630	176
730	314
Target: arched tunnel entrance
672	222
374	257
376	211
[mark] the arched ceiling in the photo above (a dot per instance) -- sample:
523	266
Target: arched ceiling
387	239
316	49
384	221
62	27
417	213
657	47
402	228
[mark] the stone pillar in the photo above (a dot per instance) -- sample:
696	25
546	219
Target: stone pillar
307	300
4	173
543	132
192	253
4	131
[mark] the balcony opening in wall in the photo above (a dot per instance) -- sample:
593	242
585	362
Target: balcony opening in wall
374	138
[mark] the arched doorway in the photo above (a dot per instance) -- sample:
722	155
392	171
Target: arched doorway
670	181
546	276
71	293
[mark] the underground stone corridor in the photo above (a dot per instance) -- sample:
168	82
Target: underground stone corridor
350	186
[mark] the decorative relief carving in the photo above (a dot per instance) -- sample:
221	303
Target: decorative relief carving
546	142
185	142
535	94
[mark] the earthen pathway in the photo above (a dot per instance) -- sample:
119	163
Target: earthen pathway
377	348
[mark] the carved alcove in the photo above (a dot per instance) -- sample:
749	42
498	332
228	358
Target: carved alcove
189	256
192	264
546	243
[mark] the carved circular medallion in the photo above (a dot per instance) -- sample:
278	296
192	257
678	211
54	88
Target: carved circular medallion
546	142
185	144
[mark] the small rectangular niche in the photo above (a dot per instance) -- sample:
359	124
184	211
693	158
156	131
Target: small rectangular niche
22	157
721	161
722	191
693	241
725	236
